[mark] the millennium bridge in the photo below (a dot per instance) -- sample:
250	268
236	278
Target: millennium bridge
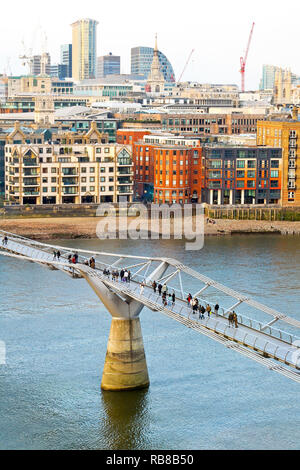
125	364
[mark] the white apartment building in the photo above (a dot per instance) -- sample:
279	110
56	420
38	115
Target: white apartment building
67	174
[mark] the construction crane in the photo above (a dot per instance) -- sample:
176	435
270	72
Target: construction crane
244	59
187	63
27	58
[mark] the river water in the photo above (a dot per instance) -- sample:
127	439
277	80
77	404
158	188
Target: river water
202	396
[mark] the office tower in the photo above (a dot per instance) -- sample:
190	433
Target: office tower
108	65
268	77
142	59
40	61
59	71
66	57
84	49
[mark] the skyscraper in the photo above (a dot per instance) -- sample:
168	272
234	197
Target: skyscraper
66	58
108	65
84	49
268	77
40	62
141	61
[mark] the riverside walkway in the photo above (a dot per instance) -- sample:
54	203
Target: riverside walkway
273	348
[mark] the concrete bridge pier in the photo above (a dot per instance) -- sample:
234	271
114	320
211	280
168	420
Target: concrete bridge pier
125	366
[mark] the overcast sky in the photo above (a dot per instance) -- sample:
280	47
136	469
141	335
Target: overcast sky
217	30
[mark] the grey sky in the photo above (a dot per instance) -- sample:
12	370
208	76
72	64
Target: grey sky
217	30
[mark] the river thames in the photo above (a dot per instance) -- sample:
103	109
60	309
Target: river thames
202	396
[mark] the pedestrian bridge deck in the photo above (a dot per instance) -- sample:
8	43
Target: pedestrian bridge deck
275	349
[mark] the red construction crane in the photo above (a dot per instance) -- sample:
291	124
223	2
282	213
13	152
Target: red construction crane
187	63
244	59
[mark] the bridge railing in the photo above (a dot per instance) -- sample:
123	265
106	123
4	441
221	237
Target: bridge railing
242	319
46	254
213	324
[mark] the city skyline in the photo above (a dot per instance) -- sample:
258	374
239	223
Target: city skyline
217	32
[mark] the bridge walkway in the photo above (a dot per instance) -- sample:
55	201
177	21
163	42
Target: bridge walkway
249	341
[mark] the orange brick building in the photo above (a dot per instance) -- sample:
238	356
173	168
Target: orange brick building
168	169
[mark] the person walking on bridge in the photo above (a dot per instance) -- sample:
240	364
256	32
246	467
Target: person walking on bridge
159	289
194	304
201	312
235	319
154	286
173	299
142	288
208	309
217	307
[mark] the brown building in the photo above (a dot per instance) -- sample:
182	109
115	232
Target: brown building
209	124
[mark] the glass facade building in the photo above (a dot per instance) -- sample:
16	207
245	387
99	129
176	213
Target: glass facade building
84	49
66	58
108	65
141	61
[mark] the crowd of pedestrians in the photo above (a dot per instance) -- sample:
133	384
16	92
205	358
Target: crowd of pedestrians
118	276
73	258
56	255
197	307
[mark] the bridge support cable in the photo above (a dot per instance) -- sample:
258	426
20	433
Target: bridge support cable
168	278
234	306
202	290
263	328
145	265
181	286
